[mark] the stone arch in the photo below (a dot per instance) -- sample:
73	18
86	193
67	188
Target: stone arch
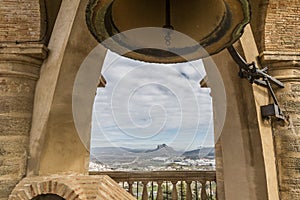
69	187
30	188
53	125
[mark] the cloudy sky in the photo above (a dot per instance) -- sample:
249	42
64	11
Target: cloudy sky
145	104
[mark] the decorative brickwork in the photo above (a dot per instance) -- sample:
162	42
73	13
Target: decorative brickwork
70	187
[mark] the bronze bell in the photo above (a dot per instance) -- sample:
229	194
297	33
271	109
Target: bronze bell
213	24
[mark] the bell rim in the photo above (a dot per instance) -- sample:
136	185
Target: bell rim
236	34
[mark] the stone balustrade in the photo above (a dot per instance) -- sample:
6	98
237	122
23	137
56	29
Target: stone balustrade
159	185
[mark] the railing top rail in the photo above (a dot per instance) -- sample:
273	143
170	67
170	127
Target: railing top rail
158	175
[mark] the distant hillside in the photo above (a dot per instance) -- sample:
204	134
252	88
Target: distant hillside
108	150
200	153
162	150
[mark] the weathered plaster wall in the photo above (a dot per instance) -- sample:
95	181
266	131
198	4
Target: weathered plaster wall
55	144
245	149
240	172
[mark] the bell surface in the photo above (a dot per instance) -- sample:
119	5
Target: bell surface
212	24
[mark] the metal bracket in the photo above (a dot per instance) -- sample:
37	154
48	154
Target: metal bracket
260	77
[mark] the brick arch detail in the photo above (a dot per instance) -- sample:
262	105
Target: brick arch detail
70	187
29	188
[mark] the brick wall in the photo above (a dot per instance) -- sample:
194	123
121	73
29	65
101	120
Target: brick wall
282	28
20	20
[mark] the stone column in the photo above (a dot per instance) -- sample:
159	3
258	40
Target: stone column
287	136
19	71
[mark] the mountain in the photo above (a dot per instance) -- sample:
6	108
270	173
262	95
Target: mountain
158	148
200	153
163	150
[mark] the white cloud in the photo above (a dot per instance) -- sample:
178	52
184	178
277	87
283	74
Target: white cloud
144	103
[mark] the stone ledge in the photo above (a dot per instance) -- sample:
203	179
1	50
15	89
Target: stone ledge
34	50
22	60
275	56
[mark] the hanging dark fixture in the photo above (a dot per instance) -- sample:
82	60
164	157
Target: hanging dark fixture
213	24
260	77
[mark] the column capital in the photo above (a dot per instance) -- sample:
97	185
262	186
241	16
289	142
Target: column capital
33	50
22	60
278	56
284	66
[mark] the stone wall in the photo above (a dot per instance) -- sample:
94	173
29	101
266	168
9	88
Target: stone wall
20	20
282	26
282	54
287	137
24	26
19	71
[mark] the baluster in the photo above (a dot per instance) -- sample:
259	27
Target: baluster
174	191
210	190
130	187
181	190
137	190
159	191
152	192
167	190
196	190
203	190
216	189
188	190
145	191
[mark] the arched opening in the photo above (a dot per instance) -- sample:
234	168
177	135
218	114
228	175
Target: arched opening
154	117
242	154
48	197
